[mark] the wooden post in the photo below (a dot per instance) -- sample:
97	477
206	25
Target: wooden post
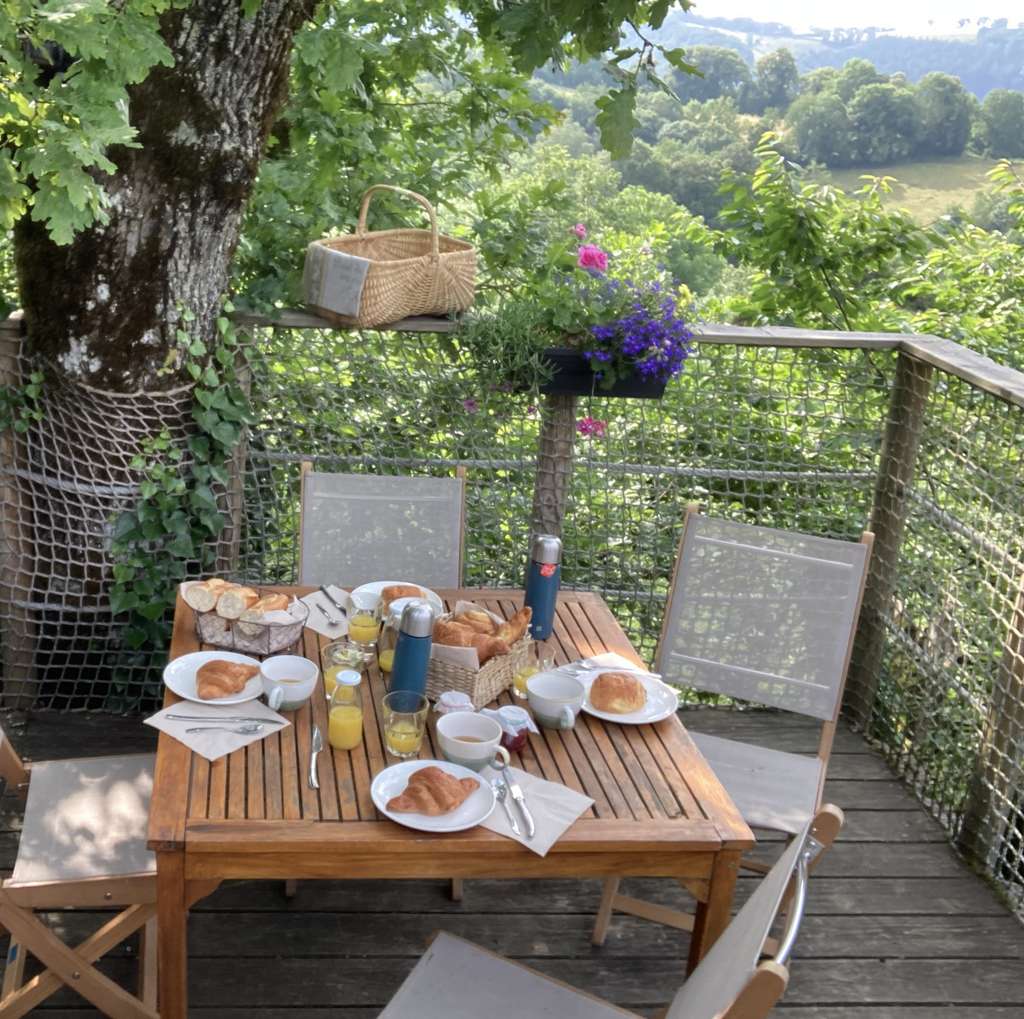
905	420
19	636
996	793
554	463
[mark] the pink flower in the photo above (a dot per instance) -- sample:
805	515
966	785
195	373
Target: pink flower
592	257
531	410
580	231
470	406
592	426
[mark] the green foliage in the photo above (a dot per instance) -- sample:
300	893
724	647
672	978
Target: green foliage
64	103
778	80
1001	125
20	406
886	122
168	534
722	72
822	130
946	112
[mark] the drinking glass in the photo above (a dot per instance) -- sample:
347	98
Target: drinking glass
538	661
404	714
336	657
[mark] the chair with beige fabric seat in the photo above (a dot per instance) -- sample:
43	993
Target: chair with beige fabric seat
766	616
457	980
83	844
357	528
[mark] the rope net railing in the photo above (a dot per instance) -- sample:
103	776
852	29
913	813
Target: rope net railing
800	437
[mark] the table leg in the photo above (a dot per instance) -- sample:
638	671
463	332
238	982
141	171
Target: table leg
172	919
714	912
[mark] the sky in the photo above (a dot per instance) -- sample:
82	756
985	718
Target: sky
909	17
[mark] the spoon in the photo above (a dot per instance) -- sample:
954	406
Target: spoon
242	730
331	621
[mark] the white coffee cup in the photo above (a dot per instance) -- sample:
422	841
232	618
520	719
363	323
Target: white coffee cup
469	739
555	699
288	681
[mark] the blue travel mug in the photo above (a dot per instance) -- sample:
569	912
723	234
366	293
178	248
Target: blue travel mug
412	648
542	579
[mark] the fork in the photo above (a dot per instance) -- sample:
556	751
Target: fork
501	791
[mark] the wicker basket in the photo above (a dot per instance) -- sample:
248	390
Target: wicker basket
260	639
481	685
411	272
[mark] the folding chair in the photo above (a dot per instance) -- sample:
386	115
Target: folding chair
361	527
766	616
83	844
455	979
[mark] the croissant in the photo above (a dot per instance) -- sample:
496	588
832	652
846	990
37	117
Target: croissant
477	620
219	678
459	635
234	600
432	791
250	621
203	595
395	591
514	628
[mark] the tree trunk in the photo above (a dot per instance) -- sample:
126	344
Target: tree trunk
176	202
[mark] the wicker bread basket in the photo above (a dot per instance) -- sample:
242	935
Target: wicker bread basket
481	685
411	272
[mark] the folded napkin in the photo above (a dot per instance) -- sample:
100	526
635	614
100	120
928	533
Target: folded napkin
318	621
554	807
216	743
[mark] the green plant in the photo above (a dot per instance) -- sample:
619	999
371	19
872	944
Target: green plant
169	533
19	405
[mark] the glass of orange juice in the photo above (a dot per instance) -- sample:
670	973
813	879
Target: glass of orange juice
336	657
404	715
345	719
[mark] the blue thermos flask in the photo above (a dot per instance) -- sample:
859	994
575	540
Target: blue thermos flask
412	648
542	579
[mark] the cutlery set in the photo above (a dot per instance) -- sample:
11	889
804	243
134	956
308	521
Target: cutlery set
506	787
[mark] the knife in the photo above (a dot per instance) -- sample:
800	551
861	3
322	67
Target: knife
334	601
317	746
517	795
226	718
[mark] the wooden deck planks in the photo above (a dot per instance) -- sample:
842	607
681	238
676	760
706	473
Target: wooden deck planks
897	927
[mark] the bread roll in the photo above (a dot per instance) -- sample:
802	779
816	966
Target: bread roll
514	629
432	791
203	594
218	678
234	600
618	693
251	621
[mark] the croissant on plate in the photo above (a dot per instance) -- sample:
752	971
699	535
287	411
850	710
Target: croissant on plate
432	791
219	678
395	591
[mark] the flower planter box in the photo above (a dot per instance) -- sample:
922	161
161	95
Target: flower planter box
573	375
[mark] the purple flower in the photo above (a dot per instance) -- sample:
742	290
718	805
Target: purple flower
580	231
470	406
531	410
591	426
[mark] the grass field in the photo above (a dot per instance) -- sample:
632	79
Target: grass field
926	190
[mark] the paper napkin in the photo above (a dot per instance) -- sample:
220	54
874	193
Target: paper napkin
318	621
215	743
554	807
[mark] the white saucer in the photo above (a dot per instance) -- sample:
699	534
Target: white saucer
662	700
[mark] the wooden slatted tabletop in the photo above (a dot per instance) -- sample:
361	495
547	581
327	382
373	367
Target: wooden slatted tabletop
658	808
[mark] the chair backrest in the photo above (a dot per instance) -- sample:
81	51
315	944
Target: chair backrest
729	972
763	615
12	770
361	527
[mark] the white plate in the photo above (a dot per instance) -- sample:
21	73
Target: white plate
392	781
662	700
373	590
180	676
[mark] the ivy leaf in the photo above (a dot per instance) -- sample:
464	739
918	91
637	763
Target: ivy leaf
617	121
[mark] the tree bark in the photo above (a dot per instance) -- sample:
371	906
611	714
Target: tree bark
176	202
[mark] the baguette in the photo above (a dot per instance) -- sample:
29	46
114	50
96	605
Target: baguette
250	622
234	600
203	594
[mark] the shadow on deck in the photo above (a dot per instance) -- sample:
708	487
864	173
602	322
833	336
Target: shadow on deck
897	927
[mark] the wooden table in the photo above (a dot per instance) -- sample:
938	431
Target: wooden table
659	811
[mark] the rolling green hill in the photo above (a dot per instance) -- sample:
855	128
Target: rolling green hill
927	189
